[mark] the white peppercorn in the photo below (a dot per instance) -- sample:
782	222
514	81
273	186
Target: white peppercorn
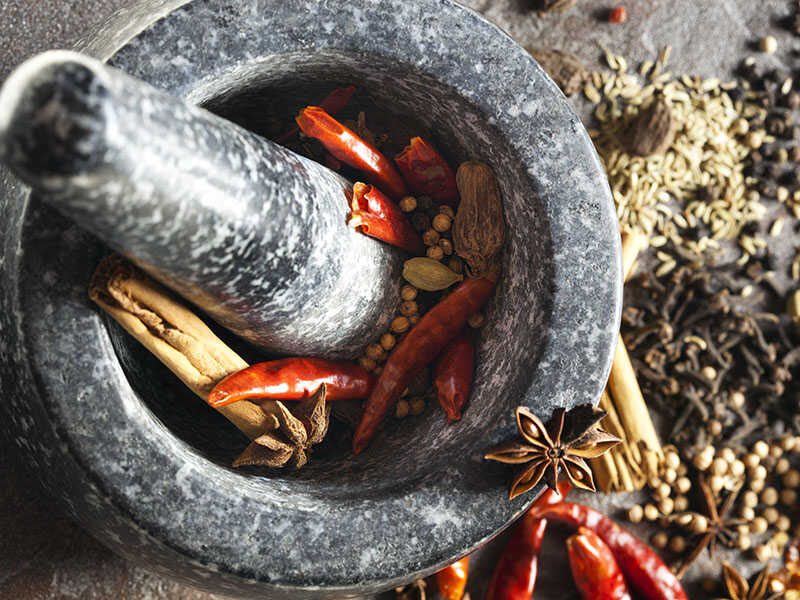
635	513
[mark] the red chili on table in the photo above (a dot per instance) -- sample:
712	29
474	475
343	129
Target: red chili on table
419	348
618	15
514	576
377	216
332	104
644	571
347	147
293	379
452	580
427	173
594	569
452	375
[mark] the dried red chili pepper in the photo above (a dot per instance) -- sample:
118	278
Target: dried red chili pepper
293	379
644	571
377	216
514	576
418	348
618	15
427	173
332	104
452	375
346	146
594	569
453	579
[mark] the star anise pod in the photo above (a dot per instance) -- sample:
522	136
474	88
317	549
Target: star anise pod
719	526
295	432
738	588
564	442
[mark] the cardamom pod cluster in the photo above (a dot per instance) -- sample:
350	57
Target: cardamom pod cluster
479	228
429	275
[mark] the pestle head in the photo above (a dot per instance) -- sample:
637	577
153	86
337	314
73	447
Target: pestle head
53	119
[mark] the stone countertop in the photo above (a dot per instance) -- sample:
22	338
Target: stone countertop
43	555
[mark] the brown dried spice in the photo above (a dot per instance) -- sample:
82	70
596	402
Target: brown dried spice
478	229
653	130
564	68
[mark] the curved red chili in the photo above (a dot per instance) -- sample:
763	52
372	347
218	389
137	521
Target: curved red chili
452	375
426	172
293	379
514	577
346	146
377	216
452	580
417	349
594	569
644	571
332	104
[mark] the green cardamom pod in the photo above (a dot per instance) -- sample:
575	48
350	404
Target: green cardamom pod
429	275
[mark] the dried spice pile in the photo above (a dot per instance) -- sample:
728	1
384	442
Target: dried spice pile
689	187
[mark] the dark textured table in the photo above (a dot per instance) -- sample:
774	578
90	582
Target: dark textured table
42	555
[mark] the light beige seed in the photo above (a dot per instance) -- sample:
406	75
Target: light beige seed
592	94
763	553
716	483
635	513
761	449
768	44
756	485
683	485
759	473
666	506
677	544
758	526
737	469
650	512
783	523
747	513
771	515
788	497
782	466
751	460
744	542
660	540
699	524
791	479
750	499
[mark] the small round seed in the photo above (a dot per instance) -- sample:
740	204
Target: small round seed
417	406
763	553
750	499
435	252
757	485
788	444
783	193
660	540
782	466
367	363
413	319
662	491
400	325
635	513
792	478
771	515
447	210
741	126
677	544
441	223
375	352
699	524
737	399
653	483
408	292
758	525
401	410
770	496
408	204
683	485
650	512
682	470
719	466
761	449
388	341
775	451
716	483
714	427
728	455
747	513
408	308
751	460
708	372
783	523
737	469
475	320
670	476
446	246
754	139
768	44
666	506
744	542
672	460
681	503
788	497
759	473
430	237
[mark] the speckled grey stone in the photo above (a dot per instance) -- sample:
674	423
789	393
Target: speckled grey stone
250	232
97	417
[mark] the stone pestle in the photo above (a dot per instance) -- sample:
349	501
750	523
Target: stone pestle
251	233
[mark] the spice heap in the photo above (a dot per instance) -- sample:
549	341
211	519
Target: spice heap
674	151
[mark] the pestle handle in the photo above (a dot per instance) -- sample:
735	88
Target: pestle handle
252	233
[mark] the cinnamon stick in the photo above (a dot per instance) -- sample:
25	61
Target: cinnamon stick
175	335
